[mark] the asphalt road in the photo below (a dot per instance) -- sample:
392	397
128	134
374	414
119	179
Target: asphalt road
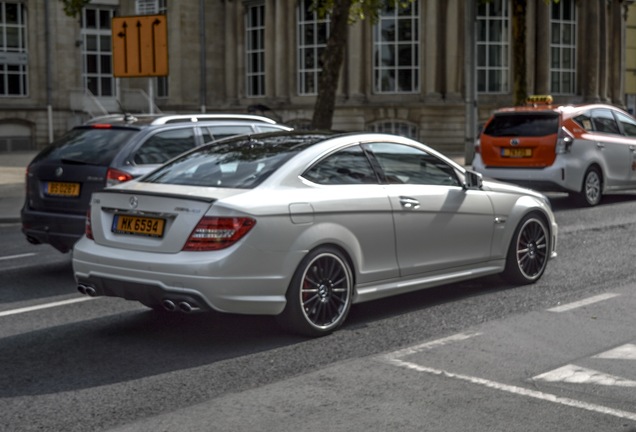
477	356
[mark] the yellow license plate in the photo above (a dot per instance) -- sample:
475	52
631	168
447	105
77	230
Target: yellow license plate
516	152
138	225
63	189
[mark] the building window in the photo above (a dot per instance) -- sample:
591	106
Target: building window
394	127
396	47
150	7
493	40
255	50
97	51
13	50
313	33
563	47
154	7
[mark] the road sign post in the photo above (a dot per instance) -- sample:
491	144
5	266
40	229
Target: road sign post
140	46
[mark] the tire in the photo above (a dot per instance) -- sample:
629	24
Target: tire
592	188
528	252
320	294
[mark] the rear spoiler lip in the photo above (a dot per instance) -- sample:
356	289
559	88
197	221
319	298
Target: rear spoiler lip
162	194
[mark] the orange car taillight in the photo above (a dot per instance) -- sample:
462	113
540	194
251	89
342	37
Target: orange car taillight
214	233
88	228
114	177
564	141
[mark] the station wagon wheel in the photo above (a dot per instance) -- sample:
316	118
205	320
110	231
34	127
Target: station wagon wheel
529	251
592	189
319	296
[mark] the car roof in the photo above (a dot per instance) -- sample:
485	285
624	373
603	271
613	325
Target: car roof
548	107
146	120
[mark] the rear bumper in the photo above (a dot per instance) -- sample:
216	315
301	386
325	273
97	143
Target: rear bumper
559	177
61	231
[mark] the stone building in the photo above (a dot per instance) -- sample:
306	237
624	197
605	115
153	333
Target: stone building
417	71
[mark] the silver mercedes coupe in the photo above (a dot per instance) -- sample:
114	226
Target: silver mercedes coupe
302	225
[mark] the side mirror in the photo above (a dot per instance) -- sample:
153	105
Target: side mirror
472	180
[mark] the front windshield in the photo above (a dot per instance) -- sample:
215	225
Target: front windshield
241	162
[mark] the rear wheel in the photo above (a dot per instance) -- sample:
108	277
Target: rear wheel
319	295
529	250
592	188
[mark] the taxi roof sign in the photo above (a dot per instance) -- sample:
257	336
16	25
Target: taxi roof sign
539	100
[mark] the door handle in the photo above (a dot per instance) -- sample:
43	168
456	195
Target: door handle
600	145
409	203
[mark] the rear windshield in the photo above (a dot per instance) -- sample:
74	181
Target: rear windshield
93	146
523	124
238	162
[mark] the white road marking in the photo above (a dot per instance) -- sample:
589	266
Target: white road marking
584	302
10	257
45	306
579	375
394	358
432	344
515	390
624	352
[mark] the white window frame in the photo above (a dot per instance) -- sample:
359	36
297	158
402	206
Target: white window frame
102	50
393	73
395	127
493	47
14	68
255	50
563	44
313	33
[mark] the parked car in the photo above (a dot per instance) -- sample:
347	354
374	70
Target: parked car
302	225
585	150
110	150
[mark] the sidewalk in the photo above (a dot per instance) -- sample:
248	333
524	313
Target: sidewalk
12	173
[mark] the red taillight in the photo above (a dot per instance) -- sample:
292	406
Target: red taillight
88	230
102	126
214	233
114	177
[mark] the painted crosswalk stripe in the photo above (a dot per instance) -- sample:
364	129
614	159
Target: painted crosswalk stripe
624	352
44	306
573	374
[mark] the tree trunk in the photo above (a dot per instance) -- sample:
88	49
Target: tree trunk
331	66
520	85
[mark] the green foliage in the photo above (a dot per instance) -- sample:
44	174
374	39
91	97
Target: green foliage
72	8
360	9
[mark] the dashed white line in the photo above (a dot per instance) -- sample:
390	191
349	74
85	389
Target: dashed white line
10	257
44	306
585	302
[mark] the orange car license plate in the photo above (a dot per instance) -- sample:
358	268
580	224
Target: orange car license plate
516	152
137	225
63	189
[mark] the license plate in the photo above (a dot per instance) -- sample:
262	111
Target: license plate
516	152
138	225
63	189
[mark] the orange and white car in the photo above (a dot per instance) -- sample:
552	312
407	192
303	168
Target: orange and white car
585	150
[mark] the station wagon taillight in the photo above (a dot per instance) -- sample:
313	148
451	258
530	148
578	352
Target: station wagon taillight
114	177
214	233
564	141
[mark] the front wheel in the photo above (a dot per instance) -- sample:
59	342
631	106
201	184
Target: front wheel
319	295
529	251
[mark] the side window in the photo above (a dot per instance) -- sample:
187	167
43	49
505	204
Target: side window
604	122
403	164
348	166
165	145
628	123
219	132
585	120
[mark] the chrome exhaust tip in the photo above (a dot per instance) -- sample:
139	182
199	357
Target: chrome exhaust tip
187	307
90	291
169	305
81	288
